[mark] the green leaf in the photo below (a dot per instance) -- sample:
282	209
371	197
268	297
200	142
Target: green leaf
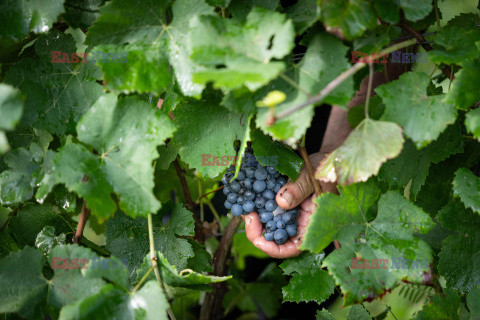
472	122
46	239
323	62
324	315
303	14
80	171
22	16
147	303
413	164
353	17
82	13
201	260
414	10
358	312
373	41
139	67
205	136
362	154
334	211
127	238
449	48
241	8
182	221
111	269
367	248
274	153
463	93
11	107
245	51
473	303
466	185
422	117
441	307
306	269
57	94
127	144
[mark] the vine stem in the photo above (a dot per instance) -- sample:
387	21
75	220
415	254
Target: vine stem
343	76
369	88
212	303
153	259
311	174
81	223
199	236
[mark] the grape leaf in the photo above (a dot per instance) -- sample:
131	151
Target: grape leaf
127	238
307	269
463	93
31	219
243	51
57	94
473	303
334	211
422	117
323	61
449	48
472	122
138	67
414	10
182	221
303	14
205	132
82	13
441	307
46	239
413	164
11	107
111	269
241	8
147	303
80	171
353	17
467	186
366	245
269	153
358	312
201	260
324	315
19	17
361	155
127	146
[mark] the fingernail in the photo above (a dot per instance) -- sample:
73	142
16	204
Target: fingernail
287	197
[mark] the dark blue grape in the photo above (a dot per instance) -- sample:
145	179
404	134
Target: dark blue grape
232	197
291	230
260	174
277	188
288	217
277	218
271	170
248	183
280	224
231	169
250	172
249	195
276	175
280	236
226	178
248	206
268	194
271	205
241	175
237	209
260	203
240	200
226	190
234	186
265	216
271	183
227	205
268	236
271	226
259	186
282	181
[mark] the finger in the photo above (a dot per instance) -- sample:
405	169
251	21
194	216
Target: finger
253	226
286	250
293	193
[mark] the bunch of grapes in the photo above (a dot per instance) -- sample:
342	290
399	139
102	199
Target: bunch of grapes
255	189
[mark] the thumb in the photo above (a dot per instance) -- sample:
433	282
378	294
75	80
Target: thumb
293	193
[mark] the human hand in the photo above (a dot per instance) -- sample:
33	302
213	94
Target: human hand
289	196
